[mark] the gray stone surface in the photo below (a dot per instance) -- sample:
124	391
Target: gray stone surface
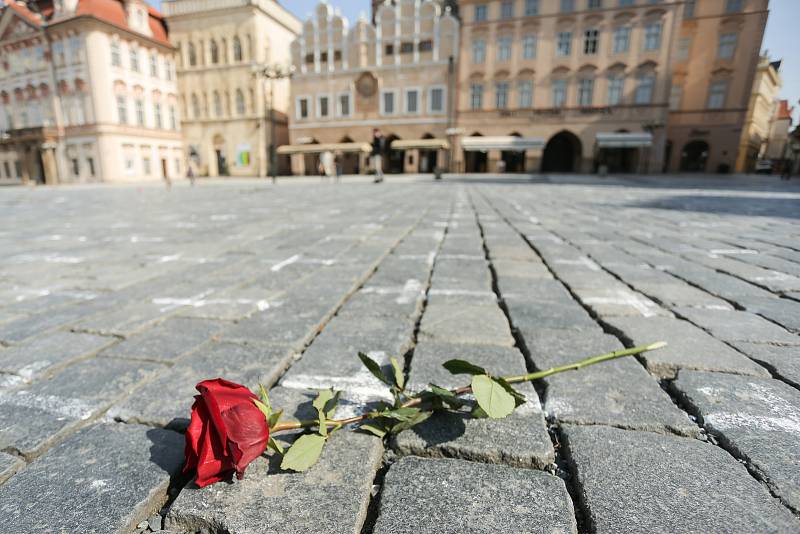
688	347
454	323
104	479
9	465
784	361
566	315
167	399
758	419
732	326
166	342
785	312
454	496
640	482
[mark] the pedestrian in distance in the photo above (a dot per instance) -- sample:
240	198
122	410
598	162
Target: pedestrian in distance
190	175
786	174
378	148
339	166
327	164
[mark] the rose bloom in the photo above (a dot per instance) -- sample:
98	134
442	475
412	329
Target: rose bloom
226	433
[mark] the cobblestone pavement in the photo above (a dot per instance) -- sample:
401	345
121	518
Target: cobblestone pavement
115	301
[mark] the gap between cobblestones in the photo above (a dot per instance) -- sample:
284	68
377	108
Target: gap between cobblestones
677	397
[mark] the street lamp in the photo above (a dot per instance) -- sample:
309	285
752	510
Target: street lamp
272	73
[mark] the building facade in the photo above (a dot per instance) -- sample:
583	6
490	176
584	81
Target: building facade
762	110
717	55
88	92
228	115
396	75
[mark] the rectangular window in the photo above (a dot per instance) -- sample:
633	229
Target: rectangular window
122	109
154	65
140	112
733	6
717	94
616	87
302	108
344	105
507	9
585	92
688	8
529	46
406	48
590	41
564	44
157	115
76	167
622	39
90	166
168	66
525	93
727	46
559	93
134	53
481	13
389	49
501	95
387	103
684	46
323	106
675	96
173	118
644	90
567	6
412	101
504	49
594	4
146	167
116	56
426	46
476	96
478	51
531	7
652	36
436	100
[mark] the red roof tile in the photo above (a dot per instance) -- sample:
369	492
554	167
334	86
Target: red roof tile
23	12
784	111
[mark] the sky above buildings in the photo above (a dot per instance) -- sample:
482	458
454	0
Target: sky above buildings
781	40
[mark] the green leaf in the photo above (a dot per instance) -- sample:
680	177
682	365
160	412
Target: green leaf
274	418
303	453
413	421
400	414
462	367
478	413
374	368
262	392
374	430
492	397
399	377
275	446
264	408
519	398
325	403
447	396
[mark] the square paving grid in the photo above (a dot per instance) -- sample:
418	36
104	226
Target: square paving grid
115	301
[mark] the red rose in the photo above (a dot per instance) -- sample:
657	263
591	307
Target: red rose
226	433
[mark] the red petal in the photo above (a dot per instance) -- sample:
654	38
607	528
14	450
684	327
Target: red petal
221	395
194	433
248	434
213	463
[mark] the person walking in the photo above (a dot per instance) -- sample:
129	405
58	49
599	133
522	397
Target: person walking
190	175
326	161
378	148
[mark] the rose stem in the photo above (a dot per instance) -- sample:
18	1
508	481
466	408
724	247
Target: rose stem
282	427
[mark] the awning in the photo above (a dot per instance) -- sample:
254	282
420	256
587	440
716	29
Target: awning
366	148
423	144
509	143
624	140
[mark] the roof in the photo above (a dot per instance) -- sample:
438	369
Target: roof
784	111
111	11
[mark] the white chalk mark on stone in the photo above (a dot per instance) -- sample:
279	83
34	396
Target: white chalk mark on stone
644	306
583	260
288	261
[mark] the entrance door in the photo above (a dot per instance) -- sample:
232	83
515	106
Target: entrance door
427	161
694	156
562	153
222	163
164	171
476	161
514	160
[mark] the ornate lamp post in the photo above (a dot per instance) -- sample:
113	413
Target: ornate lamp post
272	73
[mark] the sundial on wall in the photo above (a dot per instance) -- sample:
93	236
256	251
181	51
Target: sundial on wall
367	85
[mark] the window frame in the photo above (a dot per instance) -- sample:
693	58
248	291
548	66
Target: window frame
349	95
506	93
382	103
406	92
473	93
297	107
559	52
612	89
331	112
430	91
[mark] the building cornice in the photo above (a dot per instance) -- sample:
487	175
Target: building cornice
173	9
105	25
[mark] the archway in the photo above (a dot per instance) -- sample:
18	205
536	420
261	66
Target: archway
220	155
396	159
562	153
311	161
348	161
513	160
476	161
427	158
694	156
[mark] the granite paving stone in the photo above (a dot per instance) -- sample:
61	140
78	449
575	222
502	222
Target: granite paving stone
731	326
9	465
641	482
756	418
784	361
785	312
461	323
104	479
168	341
452	496
688	347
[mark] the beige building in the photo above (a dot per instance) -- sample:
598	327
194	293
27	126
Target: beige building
228	118
396	75
717	56
564	86
762	110
88	93
776	148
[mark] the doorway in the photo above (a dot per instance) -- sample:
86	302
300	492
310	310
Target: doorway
694	156
562	153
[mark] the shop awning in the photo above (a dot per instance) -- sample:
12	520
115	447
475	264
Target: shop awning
624	140
422	144
509	143
330	147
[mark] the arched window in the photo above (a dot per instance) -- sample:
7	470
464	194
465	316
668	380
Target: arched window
217	104
240	107
237	49
195	107
214	52
192	55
